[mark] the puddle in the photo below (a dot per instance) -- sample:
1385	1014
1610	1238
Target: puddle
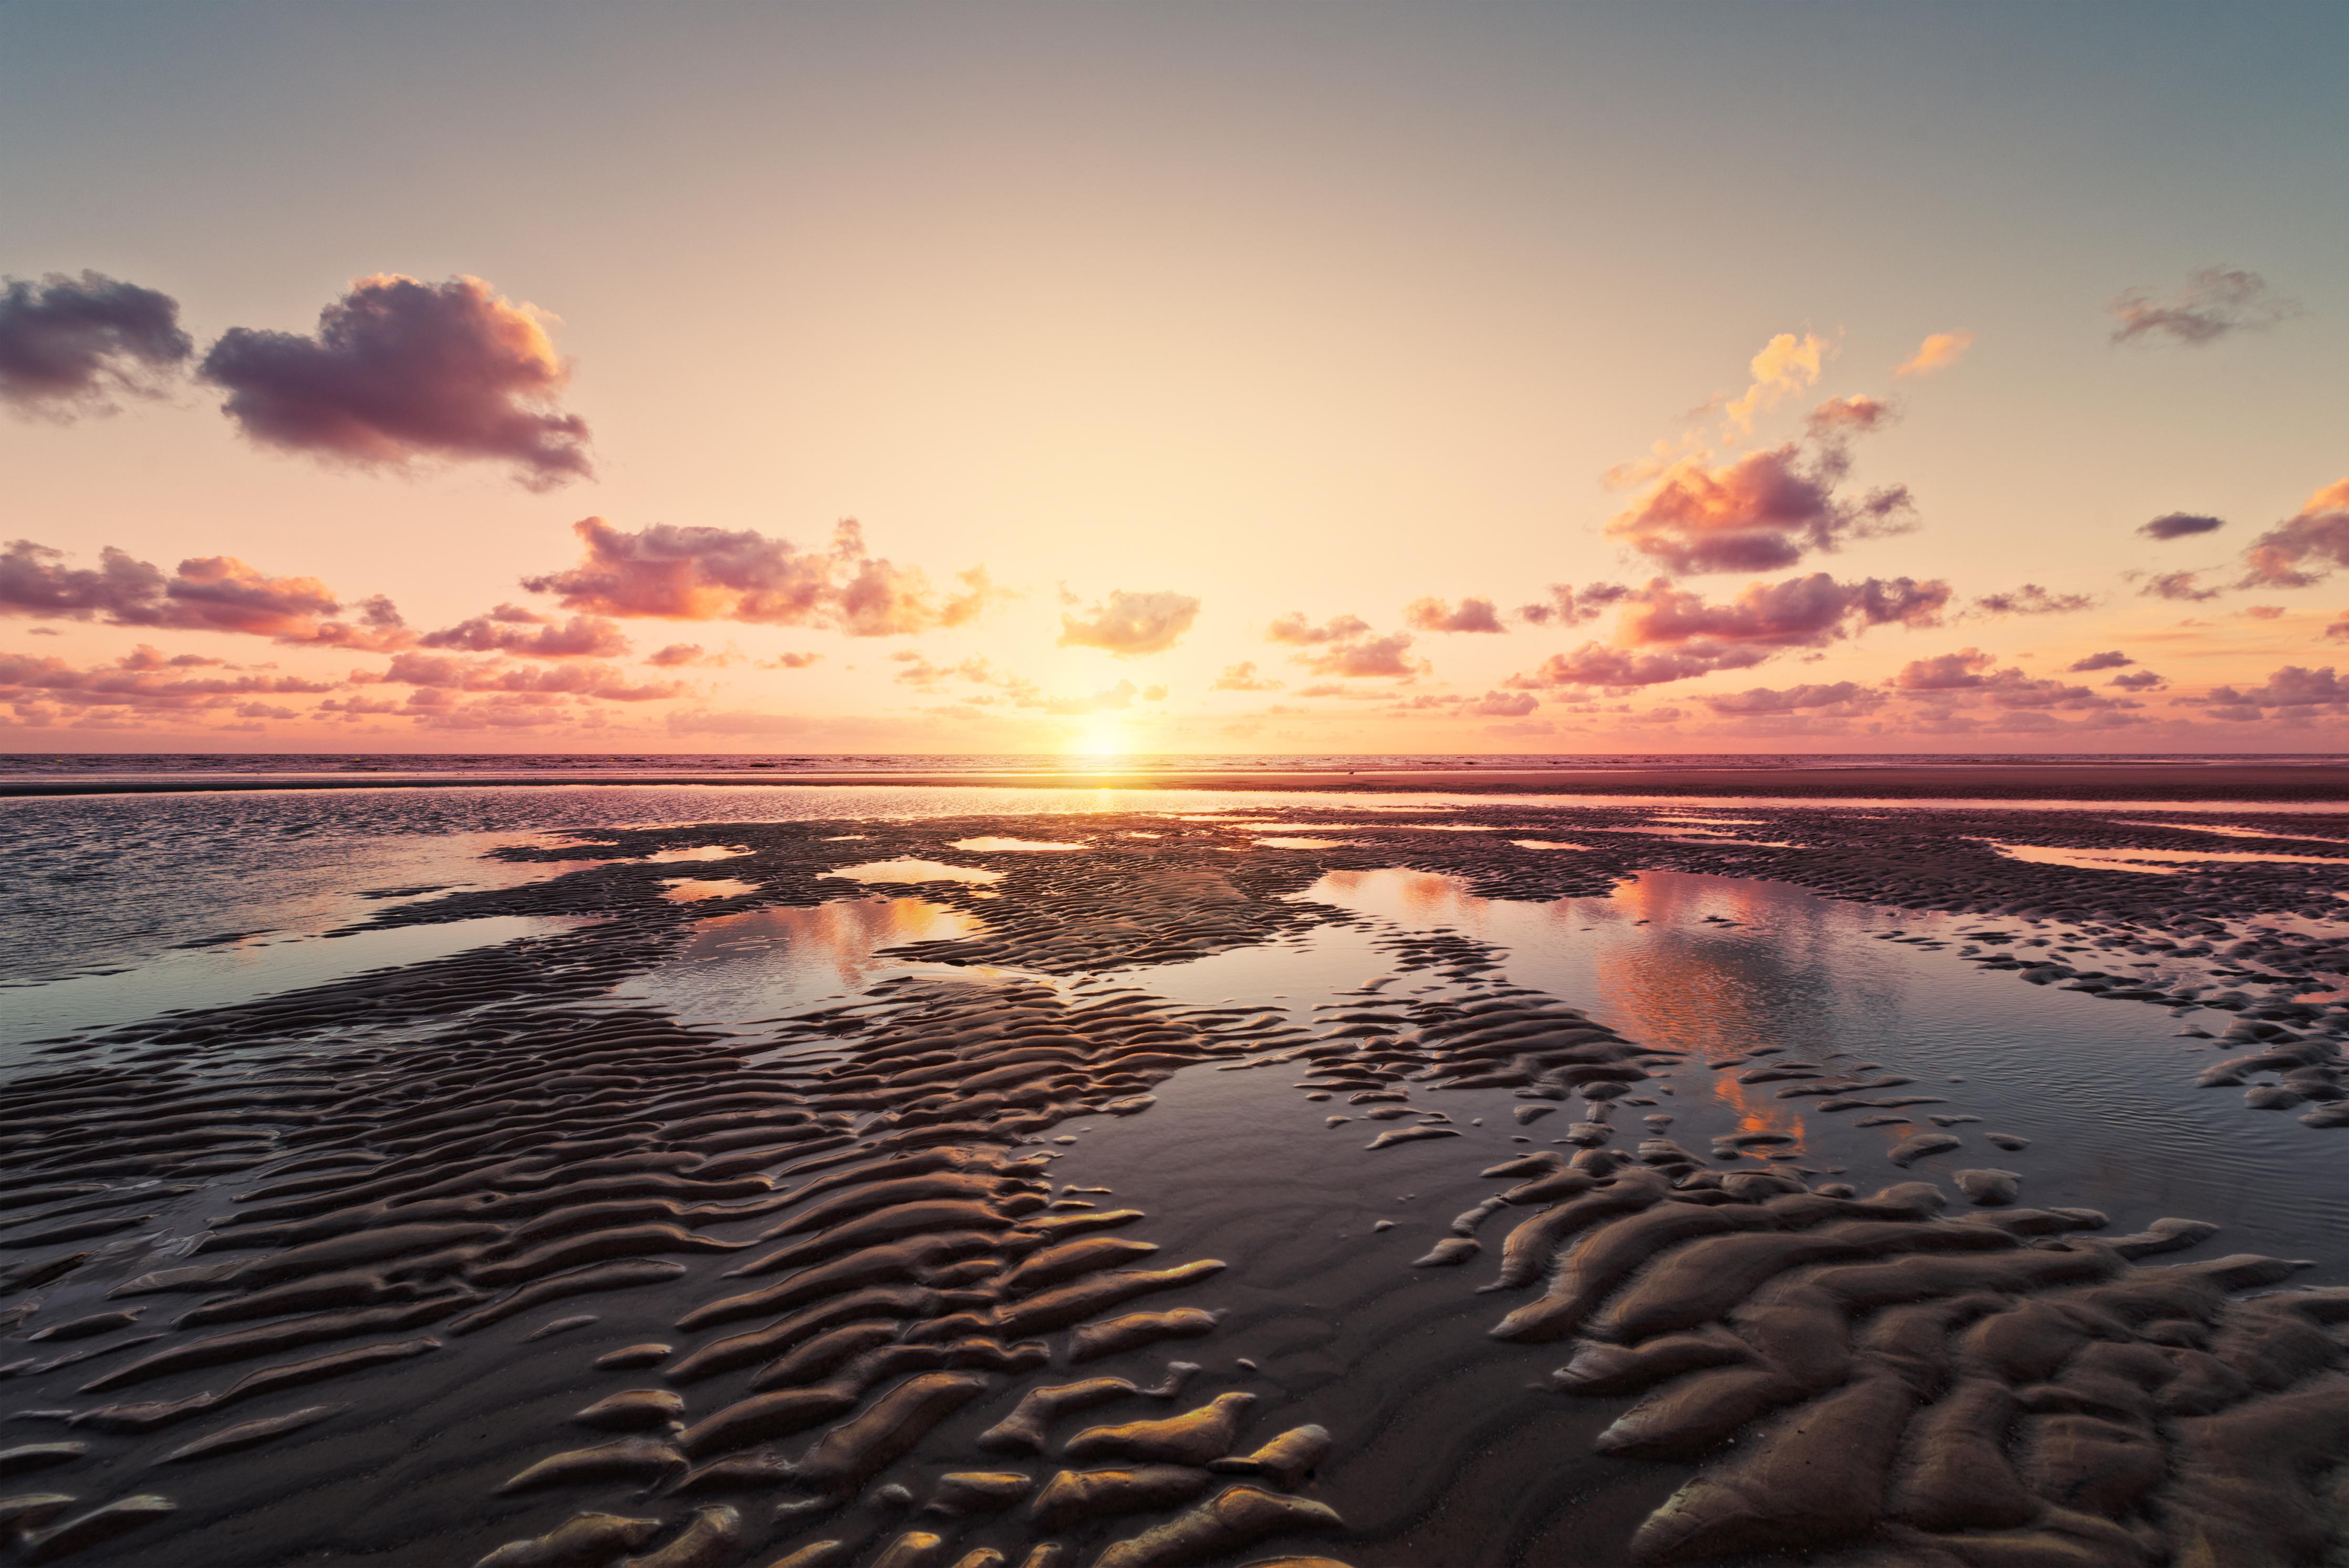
1302	843
693	889
230	973
765	963
987	845
706	852
2149	862
910	870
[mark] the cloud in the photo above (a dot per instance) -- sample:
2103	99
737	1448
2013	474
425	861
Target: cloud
1435	614
2261	612
401	370
1130	624
2182	586
1968	670
1366	658
510	628
2135	680
1784	368
671	573
2213	303
1839	418
1504	705
2293	692
2180	525
1344	646
1571	606
2112	659
1938	352
1622	669
1841	699
143	681
1963	670
205	592
1293	629
1669	634
790	661
2031	599
1758	512
442	672
1243	677
1796	612
2338	631
918	670
2304	548
69	345
676	655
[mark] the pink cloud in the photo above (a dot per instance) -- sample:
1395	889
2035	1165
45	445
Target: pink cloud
1366	658
2307	547
2180	585
143	681
1435	614
1295	631
2031	599
442	672
2293	692
1668	634
206	593
511	629
672	573
1840	699
1569	606
1344	646
1758	512
401	370
1132	623
1243	677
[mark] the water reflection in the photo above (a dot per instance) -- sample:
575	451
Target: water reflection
911	870
2146	861
990	845
226	973
704	852
763	963
693	889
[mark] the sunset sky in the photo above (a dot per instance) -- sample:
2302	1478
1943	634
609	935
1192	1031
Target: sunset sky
1197	377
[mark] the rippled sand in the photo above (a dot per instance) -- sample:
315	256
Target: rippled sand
1788	1194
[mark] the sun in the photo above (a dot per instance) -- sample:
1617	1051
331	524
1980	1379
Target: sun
1099	738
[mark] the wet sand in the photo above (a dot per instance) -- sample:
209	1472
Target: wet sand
2218	780
1018	1251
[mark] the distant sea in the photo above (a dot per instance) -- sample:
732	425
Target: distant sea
61	765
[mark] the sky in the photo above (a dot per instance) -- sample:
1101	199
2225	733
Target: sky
1298	378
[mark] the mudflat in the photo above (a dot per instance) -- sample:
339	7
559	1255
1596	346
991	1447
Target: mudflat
1501	1183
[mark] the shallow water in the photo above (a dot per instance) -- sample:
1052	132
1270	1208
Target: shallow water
813	963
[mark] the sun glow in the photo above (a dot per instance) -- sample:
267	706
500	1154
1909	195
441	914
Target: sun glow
1099	738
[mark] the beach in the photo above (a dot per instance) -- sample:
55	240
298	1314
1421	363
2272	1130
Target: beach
1224	1168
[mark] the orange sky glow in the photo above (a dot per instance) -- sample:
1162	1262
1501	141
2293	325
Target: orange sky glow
1195	380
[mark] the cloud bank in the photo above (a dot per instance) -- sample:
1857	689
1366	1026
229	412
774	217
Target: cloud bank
207	593
671	573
